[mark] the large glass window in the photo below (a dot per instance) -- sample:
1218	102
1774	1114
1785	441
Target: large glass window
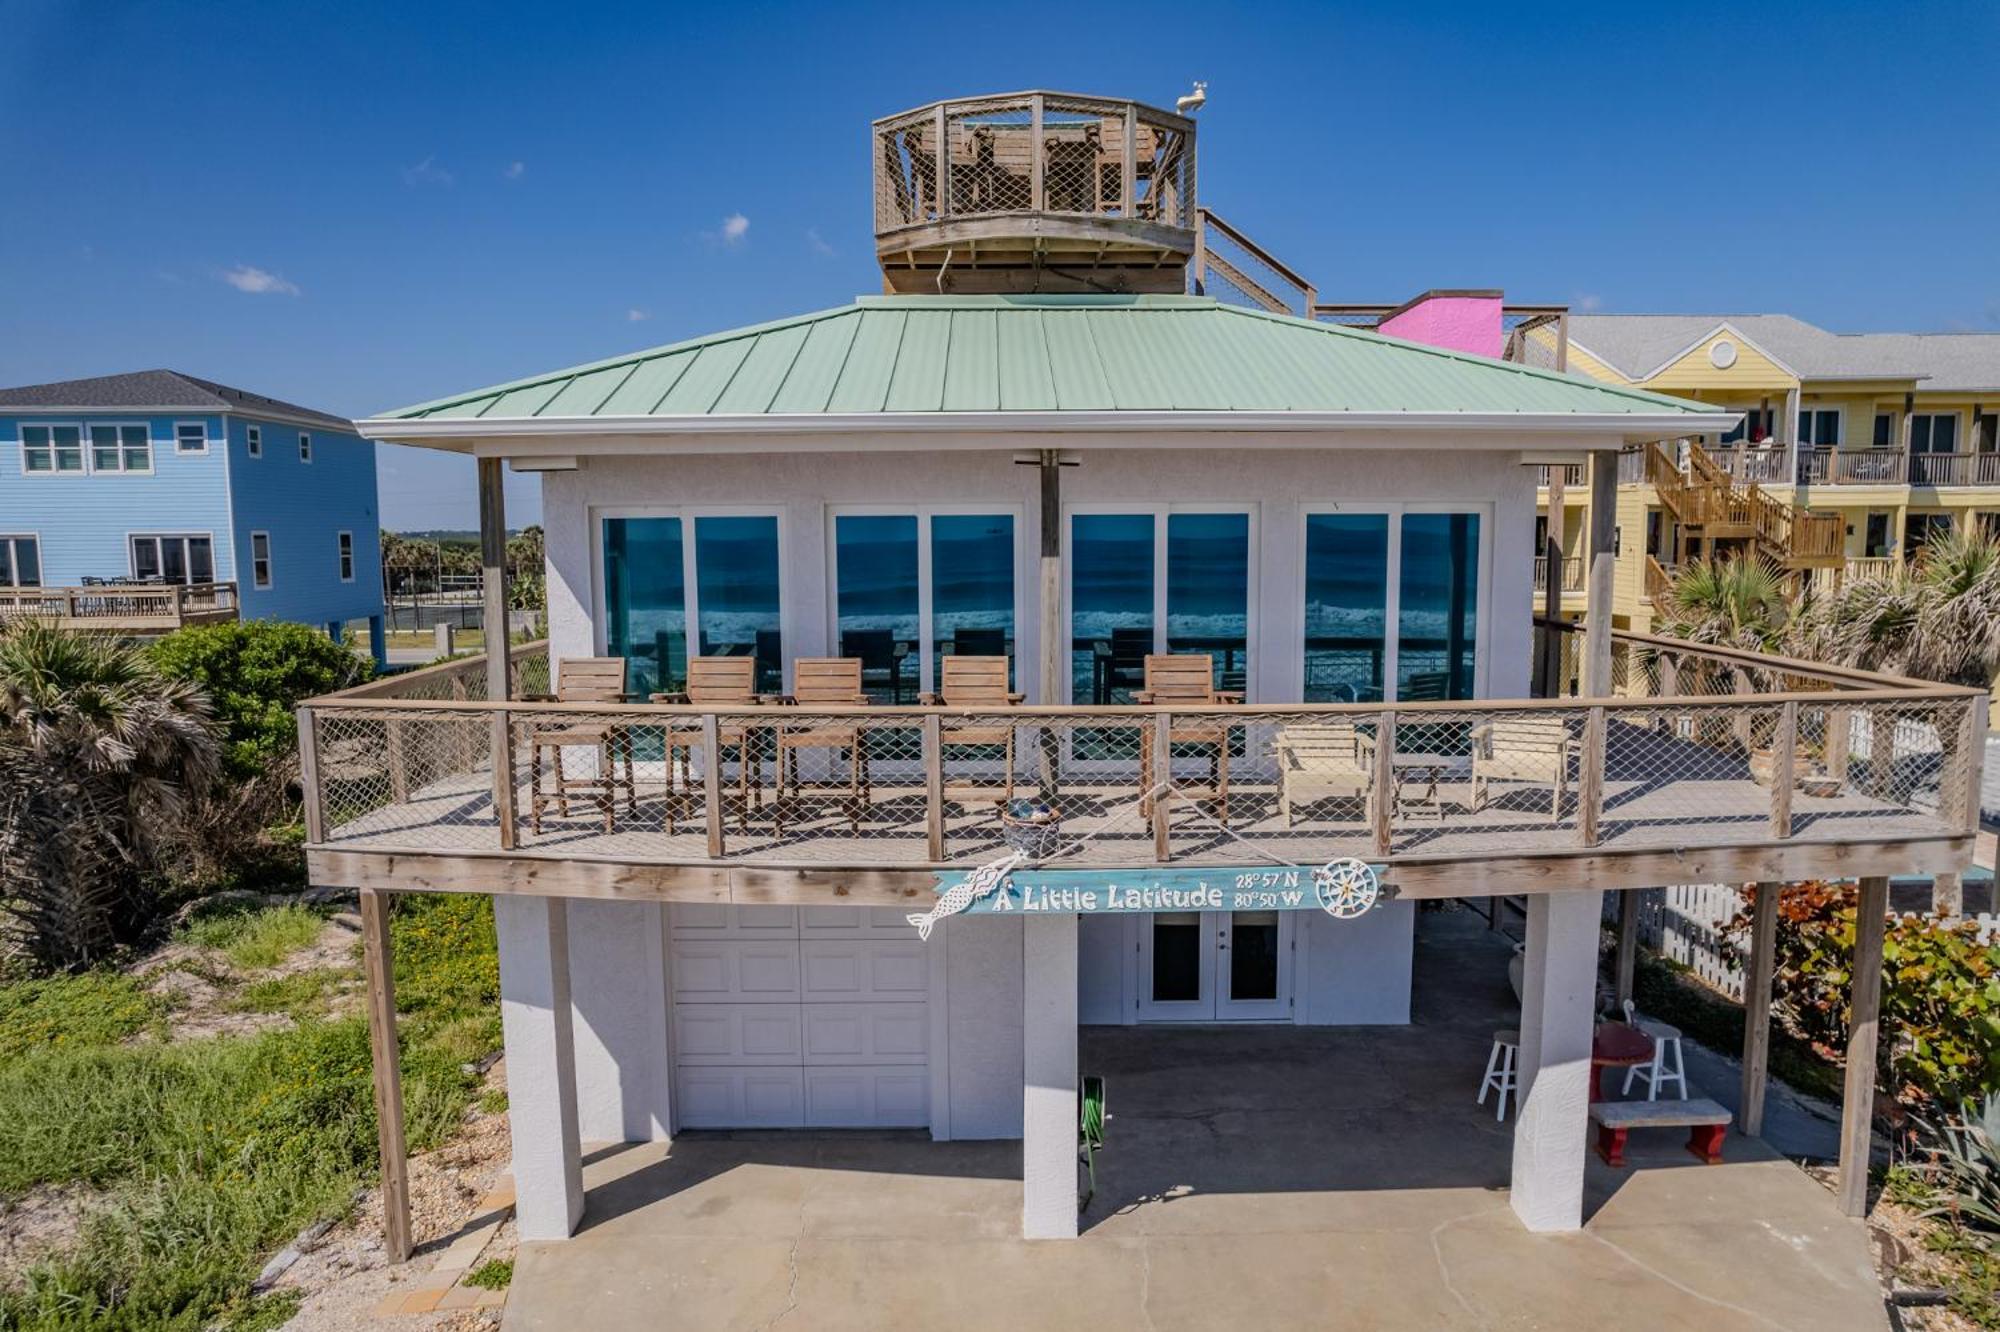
1365	573
1438	610
645	601
972	587
1933	432
736	592
1111	605
1208	591
1347	606
1820	427
877	603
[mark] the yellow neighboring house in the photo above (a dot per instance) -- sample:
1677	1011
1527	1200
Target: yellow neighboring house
1898	434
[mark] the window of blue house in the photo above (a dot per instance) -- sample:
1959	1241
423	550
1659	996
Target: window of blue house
190	437
20	561
253	440
121	448
305	447
51	448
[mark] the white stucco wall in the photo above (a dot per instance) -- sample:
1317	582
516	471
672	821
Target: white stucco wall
619	993
1357	972
1279	485
984	995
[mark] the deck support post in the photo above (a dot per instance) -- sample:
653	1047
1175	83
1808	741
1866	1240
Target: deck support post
378	962
1558	999
1049	465
1627	963
1049	1070
1757	1006
493	573
538	1022
1548	683
1857	1101
1602	575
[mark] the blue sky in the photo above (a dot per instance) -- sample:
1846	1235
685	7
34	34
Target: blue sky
363	205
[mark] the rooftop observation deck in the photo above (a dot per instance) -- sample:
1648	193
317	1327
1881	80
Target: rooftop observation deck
1034	191
416	783
124	608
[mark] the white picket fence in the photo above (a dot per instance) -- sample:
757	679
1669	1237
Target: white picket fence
1685	924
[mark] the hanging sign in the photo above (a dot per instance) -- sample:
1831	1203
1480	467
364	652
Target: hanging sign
1343	889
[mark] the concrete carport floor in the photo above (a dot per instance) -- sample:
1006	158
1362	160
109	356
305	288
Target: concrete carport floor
1254	1177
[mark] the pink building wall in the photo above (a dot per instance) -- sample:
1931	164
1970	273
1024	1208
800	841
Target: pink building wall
1467	321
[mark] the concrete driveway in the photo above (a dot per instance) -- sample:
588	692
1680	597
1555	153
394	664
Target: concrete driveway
1267	1177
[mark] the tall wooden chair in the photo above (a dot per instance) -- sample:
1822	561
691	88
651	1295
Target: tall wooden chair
716	682
581	680
824	680
1185	677
975	683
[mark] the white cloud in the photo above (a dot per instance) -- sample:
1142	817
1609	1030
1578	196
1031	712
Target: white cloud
1588	301
258	282
637	316
515	170
427	172
734	228
816	242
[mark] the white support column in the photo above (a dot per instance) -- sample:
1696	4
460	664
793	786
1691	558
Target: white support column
536	1019
1048	1107
1558	996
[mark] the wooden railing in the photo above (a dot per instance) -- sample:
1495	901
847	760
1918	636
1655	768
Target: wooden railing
1680	756
1763	466
1573	475
124	607
1572	573
1893	467
1659	580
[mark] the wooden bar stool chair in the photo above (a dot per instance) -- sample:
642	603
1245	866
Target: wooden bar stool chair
976	684
1186	677
582	680
715	682
1502	1074
824	680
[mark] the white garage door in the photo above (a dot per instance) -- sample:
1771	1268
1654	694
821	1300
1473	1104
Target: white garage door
799	1017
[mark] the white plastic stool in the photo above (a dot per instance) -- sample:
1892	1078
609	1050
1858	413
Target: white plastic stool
1500	1073
1666	1041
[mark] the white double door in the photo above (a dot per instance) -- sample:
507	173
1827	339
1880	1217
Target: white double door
1215	966
798	1017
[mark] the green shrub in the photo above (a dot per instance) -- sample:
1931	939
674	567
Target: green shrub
255	672
1940	993
73	1011
495	1275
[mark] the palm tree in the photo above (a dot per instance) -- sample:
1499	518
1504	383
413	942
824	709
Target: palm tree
1729	602
97	754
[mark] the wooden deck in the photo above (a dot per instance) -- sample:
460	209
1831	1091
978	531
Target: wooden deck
124	608
1661	784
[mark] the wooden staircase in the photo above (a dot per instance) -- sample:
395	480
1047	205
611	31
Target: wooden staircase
1726	515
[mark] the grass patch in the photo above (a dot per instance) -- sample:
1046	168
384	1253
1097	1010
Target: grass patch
301	995
255	940
493	1102
95	1008
495	1275
217	1151
1971	1269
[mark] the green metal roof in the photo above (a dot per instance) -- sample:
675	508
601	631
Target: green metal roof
917	354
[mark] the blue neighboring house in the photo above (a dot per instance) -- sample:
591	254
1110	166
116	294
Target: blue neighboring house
158	476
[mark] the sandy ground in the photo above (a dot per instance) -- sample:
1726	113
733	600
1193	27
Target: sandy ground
197	982
344	1277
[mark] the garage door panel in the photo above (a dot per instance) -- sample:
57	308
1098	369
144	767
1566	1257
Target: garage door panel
741	1098
846	922
864	970
866	1034
717	921
718	1034
762	971
866	1098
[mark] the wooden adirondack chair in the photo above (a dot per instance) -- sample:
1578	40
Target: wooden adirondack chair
581	680
1522	749
824	680
978	683
1186	677
716	682
1324	760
